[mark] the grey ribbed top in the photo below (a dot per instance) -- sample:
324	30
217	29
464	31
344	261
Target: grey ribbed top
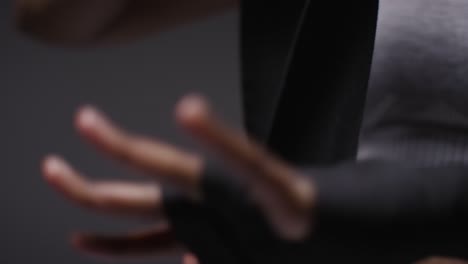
417	108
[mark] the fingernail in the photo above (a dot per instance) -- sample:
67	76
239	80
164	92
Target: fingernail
88	118
191	109
55	167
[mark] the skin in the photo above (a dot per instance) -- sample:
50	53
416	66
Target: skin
179	168
90	22
441	260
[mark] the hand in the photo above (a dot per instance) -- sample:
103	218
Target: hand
282	193
441	260
84	22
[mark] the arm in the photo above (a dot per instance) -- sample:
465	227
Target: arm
425	209
361	208
84	21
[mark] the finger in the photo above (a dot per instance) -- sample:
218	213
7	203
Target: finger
194	114
158	241
441	260
150	156
113	197
189	259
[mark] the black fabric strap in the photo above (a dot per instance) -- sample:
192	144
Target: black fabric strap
196	227
249	233
229	227
413	212
367	213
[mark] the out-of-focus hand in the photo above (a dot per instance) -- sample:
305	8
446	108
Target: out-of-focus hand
441	260
84	22
282	193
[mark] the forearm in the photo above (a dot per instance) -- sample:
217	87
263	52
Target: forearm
85	21
426	208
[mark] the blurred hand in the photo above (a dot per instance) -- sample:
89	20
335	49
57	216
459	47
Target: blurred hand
441	260
84	22
283	194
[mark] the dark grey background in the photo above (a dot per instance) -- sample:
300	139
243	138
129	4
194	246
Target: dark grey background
136	84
